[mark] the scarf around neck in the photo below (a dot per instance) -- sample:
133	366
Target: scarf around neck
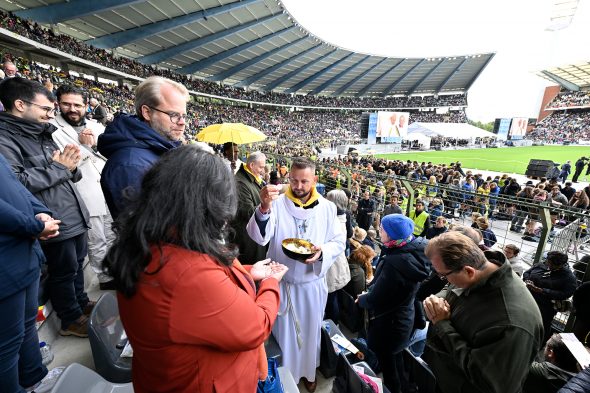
399	243
257	178
312	199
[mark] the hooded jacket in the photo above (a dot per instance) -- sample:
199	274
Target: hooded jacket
132	147
28	148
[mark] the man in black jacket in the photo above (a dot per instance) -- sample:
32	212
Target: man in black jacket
579	168
549	281
26	142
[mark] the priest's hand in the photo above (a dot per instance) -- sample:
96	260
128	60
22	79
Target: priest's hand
436	309
268	194
316	256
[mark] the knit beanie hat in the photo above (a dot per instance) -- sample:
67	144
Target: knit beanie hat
397	226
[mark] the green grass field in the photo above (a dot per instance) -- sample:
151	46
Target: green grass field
508	159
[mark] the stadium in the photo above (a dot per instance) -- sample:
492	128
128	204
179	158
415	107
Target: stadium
394	135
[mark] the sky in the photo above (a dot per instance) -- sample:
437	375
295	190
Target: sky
516	30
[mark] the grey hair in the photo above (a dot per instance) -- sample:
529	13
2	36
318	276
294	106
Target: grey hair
339	198
148	92
254	157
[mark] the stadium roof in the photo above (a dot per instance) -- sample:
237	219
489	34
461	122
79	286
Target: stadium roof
572	77
254	43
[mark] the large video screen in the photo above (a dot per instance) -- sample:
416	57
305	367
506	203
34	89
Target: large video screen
518	127
392	126
503	129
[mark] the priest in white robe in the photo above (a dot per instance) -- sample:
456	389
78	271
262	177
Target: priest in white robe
299	213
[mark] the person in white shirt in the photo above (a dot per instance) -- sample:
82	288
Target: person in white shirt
74	128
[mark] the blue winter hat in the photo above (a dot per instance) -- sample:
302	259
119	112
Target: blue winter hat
397	226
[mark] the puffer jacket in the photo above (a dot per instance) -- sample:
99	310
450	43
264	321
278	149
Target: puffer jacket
28	147
578	384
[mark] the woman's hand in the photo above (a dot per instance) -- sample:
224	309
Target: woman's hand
267	268
261	269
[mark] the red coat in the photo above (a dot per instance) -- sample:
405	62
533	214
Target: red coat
193	329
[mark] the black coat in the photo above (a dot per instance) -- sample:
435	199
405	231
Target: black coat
365	208
28	148
391	293
556	284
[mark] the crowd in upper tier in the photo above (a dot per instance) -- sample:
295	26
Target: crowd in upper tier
570	98
559	127
305	127
72	46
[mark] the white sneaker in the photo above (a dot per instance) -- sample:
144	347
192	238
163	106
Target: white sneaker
47	383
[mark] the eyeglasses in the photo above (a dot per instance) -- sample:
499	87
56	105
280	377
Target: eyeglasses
70	105
49	110
174	116
443	276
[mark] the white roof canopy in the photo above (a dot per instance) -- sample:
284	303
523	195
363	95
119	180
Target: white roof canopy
448	130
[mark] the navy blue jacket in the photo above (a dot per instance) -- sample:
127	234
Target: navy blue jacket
393	289
20	253
132	148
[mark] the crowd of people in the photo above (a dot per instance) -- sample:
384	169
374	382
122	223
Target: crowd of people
287	130
570	98
562	126
214	287
178	270
65	43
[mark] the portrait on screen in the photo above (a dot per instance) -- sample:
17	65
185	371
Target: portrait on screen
392	124
518	127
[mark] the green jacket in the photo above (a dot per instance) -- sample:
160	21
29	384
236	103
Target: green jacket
491	339
248	199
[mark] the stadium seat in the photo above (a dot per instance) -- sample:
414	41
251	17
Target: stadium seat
328	354
420	375
79	379
107	340
273	350
348	381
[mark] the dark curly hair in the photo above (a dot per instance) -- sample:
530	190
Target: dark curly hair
186	199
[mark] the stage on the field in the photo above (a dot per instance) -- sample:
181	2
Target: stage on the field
504	159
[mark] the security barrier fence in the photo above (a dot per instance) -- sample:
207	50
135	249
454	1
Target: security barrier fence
532	225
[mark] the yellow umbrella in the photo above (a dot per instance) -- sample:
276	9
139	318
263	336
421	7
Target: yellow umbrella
237	133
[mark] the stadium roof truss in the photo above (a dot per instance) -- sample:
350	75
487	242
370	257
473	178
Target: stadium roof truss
247	43
573	77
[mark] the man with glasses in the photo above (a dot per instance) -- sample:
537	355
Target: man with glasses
485	326
49	174
73	128
132	144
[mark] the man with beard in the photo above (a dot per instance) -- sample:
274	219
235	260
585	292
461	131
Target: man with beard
301	212
49	174
133	144
73	128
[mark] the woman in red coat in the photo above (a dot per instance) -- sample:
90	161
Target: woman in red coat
190	310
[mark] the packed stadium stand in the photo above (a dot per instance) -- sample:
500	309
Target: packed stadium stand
569	111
